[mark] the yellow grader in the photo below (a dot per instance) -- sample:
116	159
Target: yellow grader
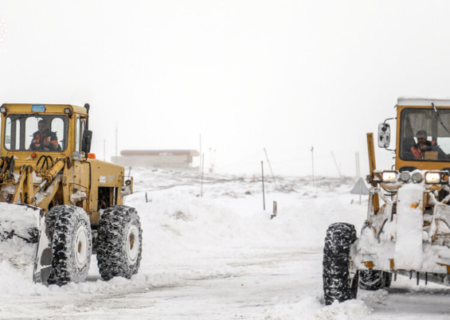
407	230
61	203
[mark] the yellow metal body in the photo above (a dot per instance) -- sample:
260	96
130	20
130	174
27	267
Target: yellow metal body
88	183
382	220
372	167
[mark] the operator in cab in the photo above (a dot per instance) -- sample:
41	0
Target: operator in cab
44	139
423	145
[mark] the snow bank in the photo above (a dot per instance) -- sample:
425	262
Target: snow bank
188	237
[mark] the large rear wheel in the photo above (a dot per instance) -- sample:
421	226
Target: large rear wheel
340	280
70	233
119	246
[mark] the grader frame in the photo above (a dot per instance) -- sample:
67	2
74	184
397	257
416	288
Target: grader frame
409	232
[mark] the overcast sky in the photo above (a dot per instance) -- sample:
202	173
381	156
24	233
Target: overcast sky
284	75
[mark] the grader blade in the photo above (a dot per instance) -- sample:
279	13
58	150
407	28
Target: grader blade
19	222
24	238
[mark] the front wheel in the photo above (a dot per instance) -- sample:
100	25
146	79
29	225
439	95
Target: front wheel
71	244
340	280
119	243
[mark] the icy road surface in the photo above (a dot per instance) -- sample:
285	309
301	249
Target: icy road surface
222	257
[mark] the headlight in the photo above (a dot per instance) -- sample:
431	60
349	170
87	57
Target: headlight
436	177
405	176
389	176
417	177
432	177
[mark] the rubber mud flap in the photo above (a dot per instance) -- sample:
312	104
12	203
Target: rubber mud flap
46	258
46	265
45	273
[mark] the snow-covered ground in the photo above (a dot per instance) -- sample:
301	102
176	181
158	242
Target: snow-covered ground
221	256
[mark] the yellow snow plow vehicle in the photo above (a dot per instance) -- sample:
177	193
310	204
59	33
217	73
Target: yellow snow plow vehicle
407	230
57	202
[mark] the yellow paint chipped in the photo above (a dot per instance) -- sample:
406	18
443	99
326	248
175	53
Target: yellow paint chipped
369	264
437	228
445	265
392	264
415	205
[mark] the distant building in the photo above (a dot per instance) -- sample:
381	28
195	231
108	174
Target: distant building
169	159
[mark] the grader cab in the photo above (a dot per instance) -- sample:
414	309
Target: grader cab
407	230
58	201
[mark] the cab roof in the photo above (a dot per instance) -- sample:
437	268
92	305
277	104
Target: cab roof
76	109
426	102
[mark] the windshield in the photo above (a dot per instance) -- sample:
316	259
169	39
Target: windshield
36	132
424	135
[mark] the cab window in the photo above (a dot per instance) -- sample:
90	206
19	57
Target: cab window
425	135
36	132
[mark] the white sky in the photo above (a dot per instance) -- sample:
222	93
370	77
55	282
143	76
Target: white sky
284	75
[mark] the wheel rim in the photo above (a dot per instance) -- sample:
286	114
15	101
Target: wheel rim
81	247
133	244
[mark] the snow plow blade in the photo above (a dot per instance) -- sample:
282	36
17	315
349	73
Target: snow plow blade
24	238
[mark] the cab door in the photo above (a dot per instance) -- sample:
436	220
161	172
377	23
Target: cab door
80	185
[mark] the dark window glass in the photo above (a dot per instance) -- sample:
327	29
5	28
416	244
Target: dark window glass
425	135
36	132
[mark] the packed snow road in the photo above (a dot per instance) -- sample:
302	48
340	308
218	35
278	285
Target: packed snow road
222	257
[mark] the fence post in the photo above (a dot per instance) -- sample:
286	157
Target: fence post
264	196
275	210
201	186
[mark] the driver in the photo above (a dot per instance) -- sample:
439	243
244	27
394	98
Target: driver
44	139
424	145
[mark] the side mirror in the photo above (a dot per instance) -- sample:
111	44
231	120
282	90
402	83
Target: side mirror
384	135
86	143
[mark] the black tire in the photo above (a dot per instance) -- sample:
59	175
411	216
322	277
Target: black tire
337	282
373	280
71	238
387	279
119	246
53	214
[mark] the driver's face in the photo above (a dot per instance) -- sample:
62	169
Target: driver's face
42	127
421	139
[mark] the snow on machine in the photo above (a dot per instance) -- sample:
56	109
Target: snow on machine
58	204
407	233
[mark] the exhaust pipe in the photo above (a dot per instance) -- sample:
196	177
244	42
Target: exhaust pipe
88	107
